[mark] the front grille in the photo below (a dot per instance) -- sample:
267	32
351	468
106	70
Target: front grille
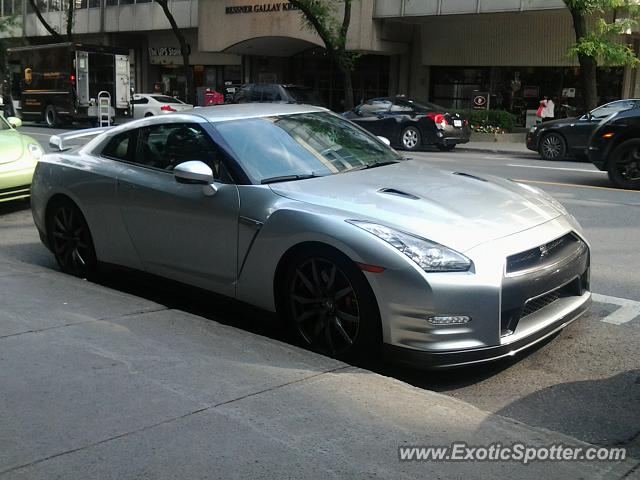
546	254
510	318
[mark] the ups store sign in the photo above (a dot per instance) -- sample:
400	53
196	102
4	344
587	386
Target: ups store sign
260	8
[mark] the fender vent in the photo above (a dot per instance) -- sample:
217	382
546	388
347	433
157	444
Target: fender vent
468	175
399	193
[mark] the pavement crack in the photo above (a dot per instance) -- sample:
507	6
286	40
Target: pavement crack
142	311
633	470
164	422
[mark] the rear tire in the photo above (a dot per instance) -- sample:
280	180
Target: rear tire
553	147
70	239
623	166
329	305
51	116
410	139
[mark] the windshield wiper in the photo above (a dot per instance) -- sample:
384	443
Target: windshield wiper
371	165
289	178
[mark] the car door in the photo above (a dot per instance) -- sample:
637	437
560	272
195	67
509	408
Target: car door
374	116
178	231
580	132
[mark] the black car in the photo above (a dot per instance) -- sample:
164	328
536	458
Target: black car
409	124
557	138
615	148
276	93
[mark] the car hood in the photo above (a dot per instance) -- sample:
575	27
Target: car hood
11	146
456	209
560	122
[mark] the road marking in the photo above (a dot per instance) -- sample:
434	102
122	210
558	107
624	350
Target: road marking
558	184
556	168
629	309
497	158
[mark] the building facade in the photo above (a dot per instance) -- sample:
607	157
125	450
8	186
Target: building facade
438	50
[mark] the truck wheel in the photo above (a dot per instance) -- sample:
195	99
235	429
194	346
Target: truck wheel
51	116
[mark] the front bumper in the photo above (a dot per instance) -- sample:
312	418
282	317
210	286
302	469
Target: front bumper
532	142
15	184
499	302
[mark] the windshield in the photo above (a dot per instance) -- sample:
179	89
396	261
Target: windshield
304	144
165	99
4	125
611	108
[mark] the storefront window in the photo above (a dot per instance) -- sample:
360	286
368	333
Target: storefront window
7	8
94	3
111	3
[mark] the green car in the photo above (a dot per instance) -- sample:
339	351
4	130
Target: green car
19	155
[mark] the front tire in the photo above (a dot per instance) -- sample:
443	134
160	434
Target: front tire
410	138
623	166
329	305
71	240
553	147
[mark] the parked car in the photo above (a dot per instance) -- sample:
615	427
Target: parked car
296	210
19	155
554	139
150	104
615	148
276	93
411	125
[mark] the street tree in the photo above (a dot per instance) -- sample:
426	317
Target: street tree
599	42
185	50
320	16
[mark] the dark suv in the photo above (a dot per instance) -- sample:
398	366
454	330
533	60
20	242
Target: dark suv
276	93
615	148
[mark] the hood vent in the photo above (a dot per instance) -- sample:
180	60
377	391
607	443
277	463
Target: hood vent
468	175
399	193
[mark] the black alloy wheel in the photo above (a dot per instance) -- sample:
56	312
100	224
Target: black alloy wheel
71	241
553	147
330	306
624	165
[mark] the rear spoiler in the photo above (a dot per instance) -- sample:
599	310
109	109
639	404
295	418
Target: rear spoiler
63	141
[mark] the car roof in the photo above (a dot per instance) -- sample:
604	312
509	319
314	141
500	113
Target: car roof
220	113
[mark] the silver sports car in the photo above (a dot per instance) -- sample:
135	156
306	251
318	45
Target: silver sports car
298	211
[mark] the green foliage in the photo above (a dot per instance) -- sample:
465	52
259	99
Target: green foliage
489	121
603	42
320	16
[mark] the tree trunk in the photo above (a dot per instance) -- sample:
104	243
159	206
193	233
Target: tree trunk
44	23
588	65
70	12
184	50
348	88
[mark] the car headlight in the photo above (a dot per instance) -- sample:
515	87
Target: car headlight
430	256
35	151
533	128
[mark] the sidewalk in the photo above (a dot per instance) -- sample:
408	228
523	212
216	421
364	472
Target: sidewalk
95	383
517	149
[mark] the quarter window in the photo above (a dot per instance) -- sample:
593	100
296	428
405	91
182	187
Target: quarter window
118	147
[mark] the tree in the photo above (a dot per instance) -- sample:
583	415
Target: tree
184	51
320	17
600	42
52	31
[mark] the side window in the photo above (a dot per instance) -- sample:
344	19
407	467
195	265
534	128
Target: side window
166	145
611	108
256	93
376	105
271	94
139	101
402	107
119	146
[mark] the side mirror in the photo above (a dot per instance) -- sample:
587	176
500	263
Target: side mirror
194	171
15	122
384	140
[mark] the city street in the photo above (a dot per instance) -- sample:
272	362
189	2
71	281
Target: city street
583	385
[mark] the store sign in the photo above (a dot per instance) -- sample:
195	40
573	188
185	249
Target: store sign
164	52
480	101
261	8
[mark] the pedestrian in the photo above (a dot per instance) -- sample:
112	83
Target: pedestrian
540	110
548	111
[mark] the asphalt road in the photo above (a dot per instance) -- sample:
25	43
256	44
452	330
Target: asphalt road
585	382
